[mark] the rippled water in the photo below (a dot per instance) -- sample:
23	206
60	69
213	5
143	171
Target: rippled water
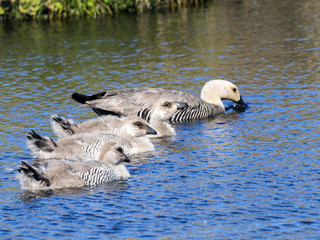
241	176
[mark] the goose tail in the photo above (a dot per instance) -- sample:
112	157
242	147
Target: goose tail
32	174
63	127
82	98
39	144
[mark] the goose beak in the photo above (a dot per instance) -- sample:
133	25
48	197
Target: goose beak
240	105
126	159
151	131
181	105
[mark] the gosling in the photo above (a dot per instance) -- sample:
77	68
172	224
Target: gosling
58	174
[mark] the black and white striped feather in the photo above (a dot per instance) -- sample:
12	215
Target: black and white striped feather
145	114
98	175
202	111
92	149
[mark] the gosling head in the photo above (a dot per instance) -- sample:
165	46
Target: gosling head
136	127
164	109
112	153
216	90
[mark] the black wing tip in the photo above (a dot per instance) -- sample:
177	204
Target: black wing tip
57	118
64	123
33	135
24	164
82	98
40	142
101	112
29	171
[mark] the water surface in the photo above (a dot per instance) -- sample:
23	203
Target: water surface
240	176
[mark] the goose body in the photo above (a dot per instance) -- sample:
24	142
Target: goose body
130	135
67	127
57	174
131	101
157	117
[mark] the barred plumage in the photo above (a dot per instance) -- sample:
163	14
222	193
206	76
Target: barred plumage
99	175
145	114
93	148
203	111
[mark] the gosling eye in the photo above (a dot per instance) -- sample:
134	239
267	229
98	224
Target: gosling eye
166	104
234	90
120	150
138	124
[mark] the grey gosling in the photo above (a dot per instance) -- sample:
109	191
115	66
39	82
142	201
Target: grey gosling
57	174
157	116
130	135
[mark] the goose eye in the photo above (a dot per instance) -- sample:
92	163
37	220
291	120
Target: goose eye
234	90
120	150
138	124
166	104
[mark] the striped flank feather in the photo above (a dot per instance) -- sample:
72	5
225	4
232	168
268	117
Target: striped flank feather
145	114
203	111
92	149
99	175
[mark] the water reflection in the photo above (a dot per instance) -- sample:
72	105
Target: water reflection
74	193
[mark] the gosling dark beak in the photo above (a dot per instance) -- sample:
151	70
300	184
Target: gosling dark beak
240	105
181	105
126	159
151	131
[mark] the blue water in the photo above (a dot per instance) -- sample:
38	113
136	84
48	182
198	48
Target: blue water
249	175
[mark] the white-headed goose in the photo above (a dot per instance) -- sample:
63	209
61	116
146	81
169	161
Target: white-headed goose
130	101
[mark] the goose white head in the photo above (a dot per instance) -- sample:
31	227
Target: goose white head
136	127
113	154
216	90
164	109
